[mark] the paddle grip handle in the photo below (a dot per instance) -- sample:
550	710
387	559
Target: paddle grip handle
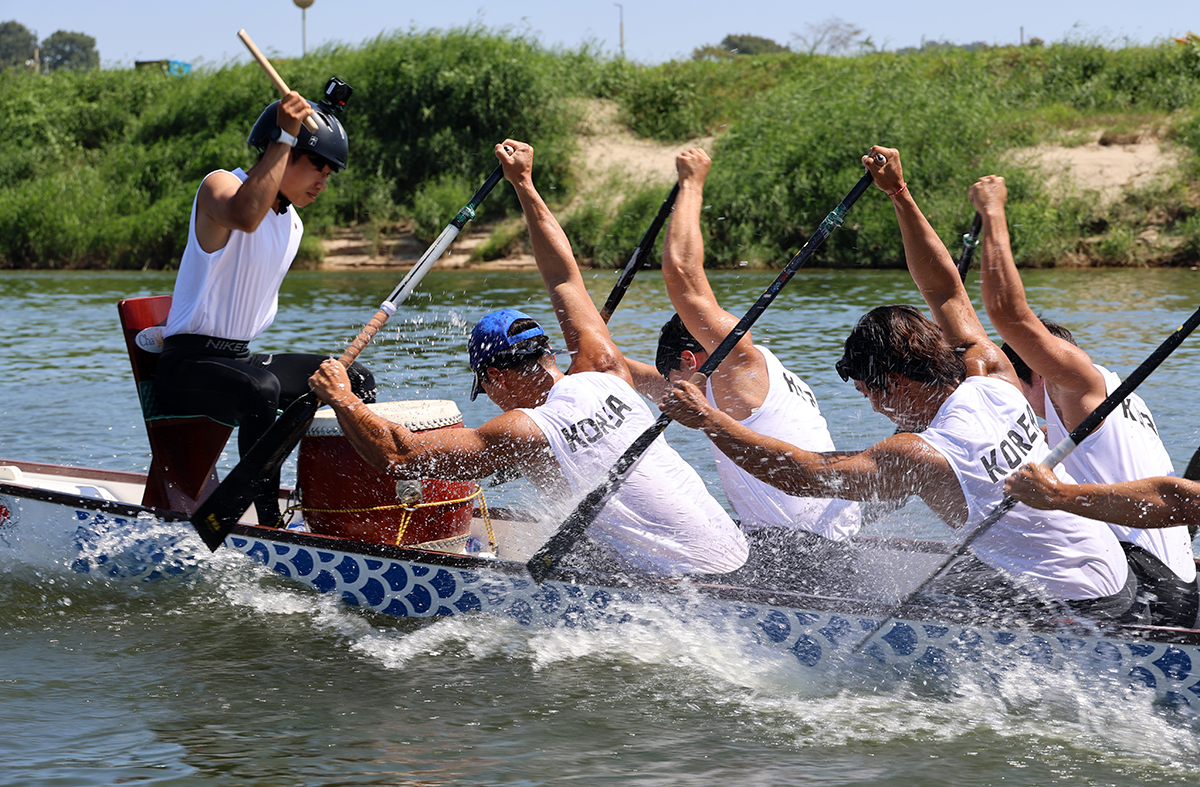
364	337
280	85
970	243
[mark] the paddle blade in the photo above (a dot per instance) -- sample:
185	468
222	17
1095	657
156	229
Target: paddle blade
217	515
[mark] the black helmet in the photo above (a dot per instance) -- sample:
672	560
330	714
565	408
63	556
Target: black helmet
328	141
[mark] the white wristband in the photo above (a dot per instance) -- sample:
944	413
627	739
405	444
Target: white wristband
287	139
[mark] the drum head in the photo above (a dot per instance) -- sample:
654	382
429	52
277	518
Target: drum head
417	415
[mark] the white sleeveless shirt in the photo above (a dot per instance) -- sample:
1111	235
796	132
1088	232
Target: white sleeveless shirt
662	518
789	413
1126	447
986	430
233	293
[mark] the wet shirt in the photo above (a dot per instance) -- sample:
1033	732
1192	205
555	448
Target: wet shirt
1125	447
986	431
789	413
662	518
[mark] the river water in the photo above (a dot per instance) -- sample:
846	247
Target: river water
233	675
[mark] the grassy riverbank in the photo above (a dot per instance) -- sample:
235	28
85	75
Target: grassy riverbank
99	169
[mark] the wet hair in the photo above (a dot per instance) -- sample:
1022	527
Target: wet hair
900	340
673	339
1024	373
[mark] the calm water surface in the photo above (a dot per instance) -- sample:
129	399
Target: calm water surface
231	675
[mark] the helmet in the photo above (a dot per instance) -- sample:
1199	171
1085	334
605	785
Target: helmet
328	141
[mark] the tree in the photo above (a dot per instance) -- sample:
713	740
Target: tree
832	37
70	51
17	44
750	45
734	46
711	52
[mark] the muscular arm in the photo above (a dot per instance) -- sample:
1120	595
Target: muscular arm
936	274
225	203
895	468
583	330
646	380
453	454
1147	503
1075	385
740	382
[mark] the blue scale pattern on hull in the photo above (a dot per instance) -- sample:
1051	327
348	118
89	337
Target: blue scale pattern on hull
817	640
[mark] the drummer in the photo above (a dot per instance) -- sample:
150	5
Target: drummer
563	431
242	237
946	380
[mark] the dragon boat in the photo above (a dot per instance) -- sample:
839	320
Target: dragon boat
432	549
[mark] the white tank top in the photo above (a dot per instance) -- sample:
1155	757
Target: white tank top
986	430
1125	447
789	413
233	293
662	519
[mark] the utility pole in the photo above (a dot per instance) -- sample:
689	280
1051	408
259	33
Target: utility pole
303	6
622	13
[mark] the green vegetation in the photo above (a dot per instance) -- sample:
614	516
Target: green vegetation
99	167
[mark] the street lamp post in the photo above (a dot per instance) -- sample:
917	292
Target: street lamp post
621	10
303	6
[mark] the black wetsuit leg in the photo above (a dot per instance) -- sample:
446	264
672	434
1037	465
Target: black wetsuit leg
248	390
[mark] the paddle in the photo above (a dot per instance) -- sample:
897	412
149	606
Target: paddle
970	243
644	246
217	515
589	508
1060	452
280	85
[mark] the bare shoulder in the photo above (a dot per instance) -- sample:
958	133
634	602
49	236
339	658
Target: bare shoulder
219	183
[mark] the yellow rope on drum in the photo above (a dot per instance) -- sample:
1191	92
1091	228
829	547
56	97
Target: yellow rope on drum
410	509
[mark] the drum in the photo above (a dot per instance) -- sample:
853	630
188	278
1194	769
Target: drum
341	495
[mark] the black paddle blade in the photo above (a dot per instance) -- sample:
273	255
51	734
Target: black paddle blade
217	515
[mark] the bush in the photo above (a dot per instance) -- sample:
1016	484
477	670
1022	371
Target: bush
113	145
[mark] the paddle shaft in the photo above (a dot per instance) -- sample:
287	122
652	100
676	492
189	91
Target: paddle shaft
280	85
217	515
970	243
589	508
635	260
1060	452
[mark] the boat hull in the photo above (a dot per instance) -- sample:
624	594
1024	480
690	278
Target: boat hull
97	532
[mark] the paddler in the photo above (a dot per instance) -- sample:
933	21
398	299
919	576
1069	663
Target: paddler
800	541
1063	386
563	431
947	378
242	237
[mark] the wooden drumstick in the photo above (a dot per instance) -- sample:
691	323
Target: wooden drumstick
280	85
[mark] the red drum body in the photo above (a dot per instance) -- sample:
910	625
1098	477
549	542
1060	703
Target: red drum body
341	495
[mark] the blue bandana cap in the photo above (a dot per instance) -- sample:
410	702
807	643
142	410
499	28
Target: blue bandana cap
490	338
